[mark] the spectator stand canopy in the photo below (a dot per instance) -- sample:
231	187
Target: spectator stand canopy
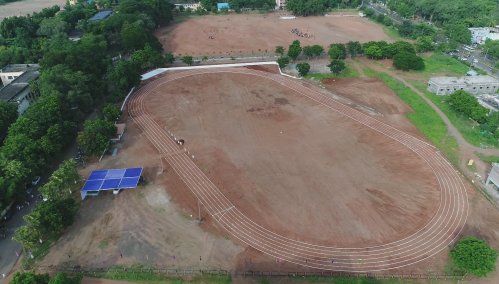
109	180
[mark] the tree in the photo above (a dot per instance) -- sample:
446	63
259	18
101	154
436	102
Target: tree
408	61
373	52
491	47
29	278
283	61
148	58
303	68
53	26
294	50
169	58
8	114
406	29
474	256
61	182
424	44
124	76
313	50
354	48
95	136
111	112
463	103
188	60
458	32
337	51
279	50
336	66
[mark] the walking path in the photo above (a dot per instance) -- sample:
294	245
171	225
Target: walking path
465	147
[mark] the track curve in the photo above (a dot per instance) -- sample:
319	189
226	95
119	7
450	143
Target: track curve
443	228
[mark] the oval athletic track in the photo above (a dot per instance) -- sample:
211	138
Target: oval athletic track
440	231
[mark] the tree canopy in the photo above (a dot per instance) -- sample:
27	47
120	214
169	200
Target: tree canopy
294	50
474	256
303	68
468	105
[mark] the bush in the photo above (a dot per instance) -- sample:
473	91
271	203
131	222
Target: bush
336	66
474	256
283	61
294	50
303	68
408	61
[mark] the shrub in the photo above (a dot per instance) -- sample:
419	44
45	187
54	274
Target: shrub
474	256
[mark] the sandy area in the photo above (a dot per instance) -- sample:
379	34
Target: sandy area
260	33
24	7
294	166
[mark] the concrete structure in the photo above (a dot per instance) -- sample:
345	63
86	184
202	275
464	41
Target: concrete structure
493	178
475	85
18	91
223	6
480	35
280	4
192	6
10	72
120	130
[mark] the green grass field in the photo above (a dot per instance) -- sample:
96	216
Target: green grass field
423	117
469	129
440	64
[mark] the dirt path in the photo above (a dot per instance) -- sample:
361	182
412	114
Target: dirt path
465	147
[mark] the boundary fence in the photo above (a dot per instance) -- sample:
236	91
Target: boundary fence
186	272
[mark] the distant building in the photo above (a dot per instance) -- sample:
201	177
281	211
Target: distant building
480	35
280	4
192	6
493	178
223	6
10	72
475	85
101	15
18	90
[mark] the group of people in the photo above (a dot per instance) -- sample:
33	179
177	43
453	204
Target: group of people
300	34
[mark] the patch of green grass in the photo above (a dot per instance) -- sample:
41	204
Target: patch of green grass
441	64
143	274
424	117
392	33
488	159
469	129
347	73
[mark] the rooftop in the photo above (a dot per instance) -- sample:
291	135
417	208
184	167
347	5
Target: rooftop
480	79
12	90
19	68
101	15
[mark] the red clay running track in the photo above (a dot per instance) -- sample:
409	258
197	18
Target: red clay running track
442	229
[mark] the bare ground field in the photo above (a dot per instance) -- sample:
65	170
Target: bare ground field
236	34
306	188
24	7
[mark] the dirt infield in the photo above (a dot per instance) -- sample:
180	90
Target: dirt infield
24	7
256	33
295	166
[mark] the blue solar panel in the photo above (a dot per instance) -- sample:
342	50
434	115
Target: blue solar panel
110	184
97	175
111	179
129	182
118	173
92	185
133	172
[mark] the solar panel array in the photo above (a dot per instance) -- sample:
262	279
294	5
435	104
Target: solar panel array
111	179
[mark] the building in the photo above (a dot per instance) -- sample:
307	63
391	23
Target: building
493	178
280	4
192	6
223	6
475	85
480	35
101	15
18	91
10	72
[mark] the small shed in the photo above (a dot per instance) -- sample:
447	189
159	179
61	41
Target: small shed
223	6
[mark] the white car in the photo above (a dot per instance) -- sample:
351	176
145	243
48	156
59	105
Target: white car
36	180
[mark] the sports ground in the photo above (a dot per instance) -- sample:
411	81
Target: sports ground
287	170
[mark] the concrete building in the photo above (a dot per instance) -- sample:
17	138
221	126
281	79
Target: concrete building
10	72
480	35
493	178
280	4
192	6
475	85
18	91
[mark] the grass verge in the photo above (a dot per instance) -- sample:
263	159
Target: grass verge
469	129
488	159
424	117
347	73
442	64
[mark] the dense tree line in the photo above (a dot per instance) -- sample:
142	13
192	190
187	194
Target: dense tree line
318	7
33	278
76	77
491	48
